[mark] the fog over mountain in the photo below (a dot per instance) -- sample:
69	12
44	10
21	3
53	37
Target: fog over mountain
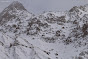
39	6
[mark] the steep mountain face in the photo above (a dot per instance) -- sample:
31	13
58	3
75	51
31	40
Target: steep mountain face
51	35
14	11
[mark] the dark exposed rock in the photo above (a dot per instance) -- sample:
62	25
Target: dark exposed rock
84	29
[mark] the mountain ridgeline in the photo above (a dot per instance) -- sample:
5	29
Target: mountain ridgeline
11	12
51	35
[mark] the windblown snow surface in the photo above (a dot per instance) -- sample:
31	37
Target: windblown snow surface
51	35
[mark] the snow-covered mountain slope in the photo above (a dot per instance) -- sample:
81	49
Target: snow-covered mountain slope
51	35
14	11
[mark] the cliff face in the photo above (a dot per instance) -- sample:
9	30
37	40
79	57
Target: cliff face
51	35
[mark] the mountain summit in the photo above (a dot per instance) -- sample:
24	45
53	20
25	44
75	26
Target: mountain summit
14	10
16	5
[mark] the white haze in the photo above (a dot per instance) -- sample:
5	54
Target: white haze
38	6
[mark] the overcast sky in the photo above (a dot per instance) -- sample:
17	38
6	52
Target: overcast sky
38	6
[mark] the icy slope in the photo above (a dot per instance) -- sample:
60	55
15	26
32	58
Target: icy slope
51	35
